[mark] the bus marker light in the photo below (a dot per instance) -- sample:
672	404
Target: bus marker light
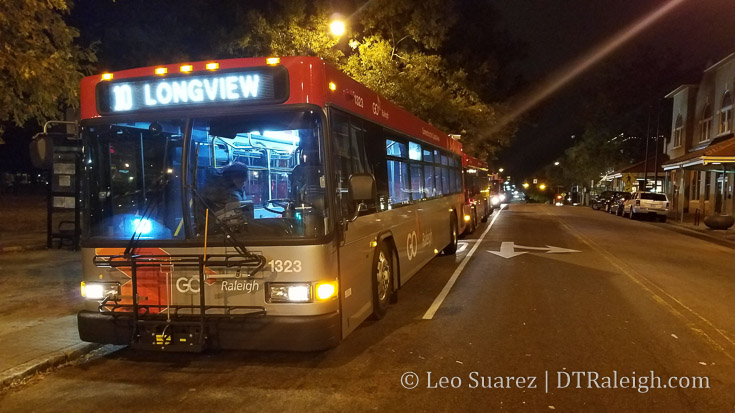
107	76
467	217
273	60
212	66
325	291
161	70
436	251
332	86
373	244
186	68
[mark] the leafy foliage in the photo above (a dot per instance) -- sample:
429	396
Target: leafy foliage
40	64
395	48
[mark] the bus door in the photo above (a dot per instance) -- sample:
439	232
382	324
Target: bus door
355	249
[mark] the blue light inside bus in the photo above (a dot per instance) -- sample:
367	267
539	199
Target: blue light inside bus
142	226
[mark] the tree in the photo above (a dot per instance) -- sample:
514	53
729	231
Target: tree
396	48
40	64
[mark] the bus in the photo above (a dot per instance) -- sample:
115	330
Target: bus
254	203
476	190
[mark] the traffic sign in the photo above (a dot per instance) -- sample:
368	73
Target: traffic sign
628	180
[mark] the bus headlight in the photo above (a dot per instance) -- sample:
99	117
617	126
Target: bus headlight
101	291
326	291
495	200
289	293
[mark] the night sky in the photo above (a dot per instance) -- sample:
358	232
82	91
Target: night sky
556	32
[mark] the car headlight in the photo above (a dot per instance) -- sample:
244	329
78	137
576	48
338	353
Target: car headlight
101	290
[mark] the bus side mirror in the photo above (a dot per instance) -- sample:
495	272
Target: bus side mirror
362	187
42	151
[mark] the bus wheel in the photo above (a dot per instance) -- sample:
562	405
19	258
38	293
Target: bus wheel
485	214
453	237
382	281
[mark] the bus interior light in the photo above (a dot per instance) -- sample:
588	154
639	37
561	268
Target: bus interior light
289	293
273	60
326	291
212	66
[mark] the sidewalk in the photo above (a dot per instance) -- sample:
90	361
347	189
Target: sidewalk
687	227
39	300
15	242
22	222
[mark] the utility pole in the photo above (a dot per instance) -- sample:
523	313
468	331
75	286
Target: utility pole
655	162
645	160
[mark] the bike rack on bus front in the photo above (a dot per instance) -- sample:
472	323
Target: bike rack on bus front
175	332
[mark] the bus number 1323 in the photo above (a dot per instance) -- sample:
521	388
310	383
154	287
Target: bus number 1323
285	265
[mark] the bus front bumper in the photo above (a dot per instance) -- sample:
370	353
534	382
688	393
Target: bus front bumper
273	333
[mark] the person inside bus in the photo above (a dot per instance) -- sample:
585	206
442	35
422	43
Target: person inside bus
228	193
305	178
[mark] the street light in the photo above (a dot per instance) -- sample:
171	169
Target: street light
337	27
501	170
525	185
556	163
542	187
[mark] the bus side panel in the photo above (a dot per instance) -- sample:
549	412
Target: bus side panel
356	272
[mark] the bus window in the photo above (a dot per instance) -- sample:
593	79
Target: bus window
417	182
285	185
398	185
135	183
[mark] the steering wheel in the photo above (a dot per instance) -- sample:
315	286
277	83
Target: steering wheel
283	203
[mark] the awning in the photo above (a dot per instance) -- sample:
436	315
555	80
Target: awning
719	152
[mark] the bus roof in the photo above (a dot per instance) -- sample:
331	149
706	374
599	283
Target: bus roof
308	80
472	162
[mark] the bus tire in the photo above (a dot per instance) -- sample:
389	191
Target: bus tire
485	214
453	236
382	280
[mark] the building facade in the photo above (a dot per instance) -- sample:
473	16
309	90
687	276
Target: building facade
701	148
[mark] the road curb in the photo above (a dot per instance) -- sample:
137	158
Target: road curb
16	375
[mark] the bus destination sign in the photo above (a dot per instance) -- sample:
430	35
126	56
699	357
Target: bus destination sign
135	95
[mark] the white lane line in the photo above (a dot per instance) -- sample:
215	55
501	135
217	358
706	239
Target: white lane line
445	291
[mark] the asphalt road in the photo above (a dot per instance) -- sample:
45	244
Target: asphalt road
635	300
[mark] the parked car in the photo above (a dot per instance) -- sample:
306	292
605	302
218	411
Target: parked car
601	200
647	203
616	204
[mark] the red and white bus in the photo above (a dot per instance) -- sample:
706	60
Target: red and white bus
477	191
254	204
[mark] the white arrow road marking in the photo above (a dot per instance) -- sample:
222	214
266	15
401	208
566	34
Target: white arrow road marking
461	246
549	249
508	250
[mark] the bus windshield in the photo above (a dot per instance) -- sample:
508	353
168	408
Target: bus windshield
261	177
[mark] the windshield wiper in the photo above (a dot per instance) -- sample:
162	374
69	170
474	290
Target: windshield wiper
236	244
